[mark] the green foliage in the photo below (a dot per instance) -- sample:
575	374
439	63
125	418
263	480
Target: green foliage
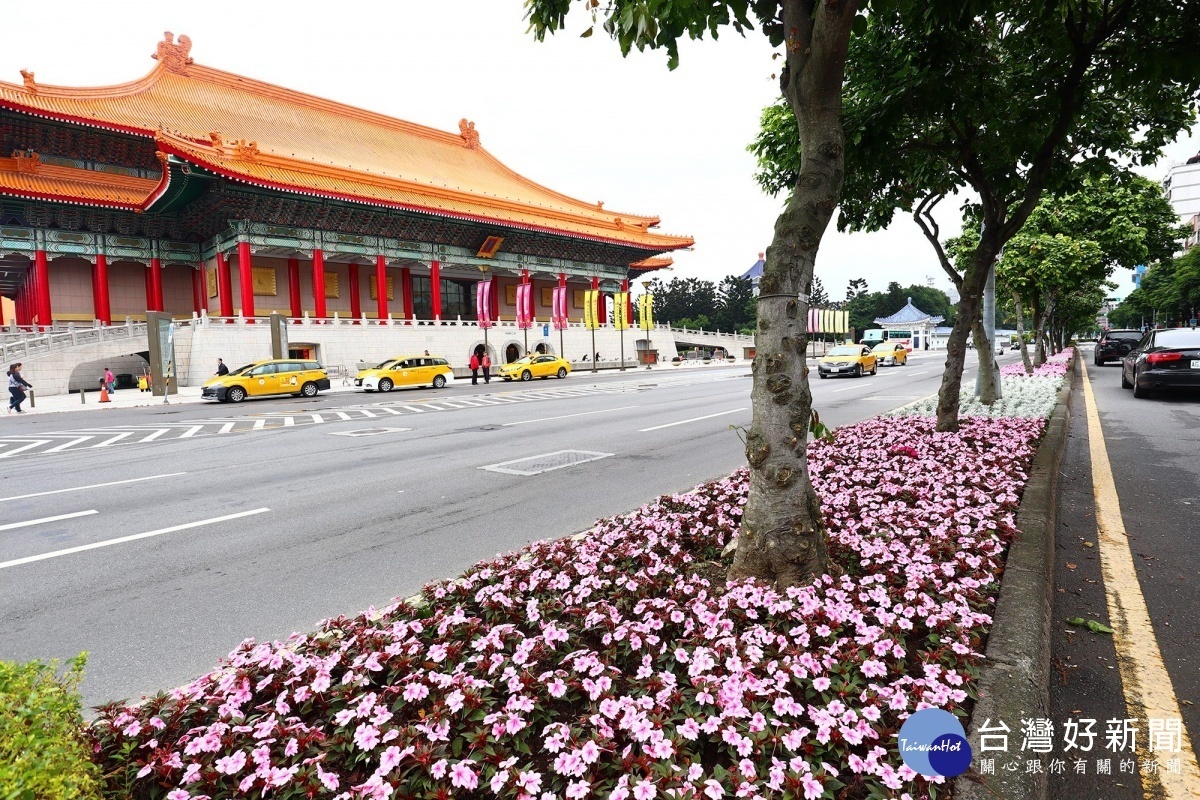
44	753
1169	294
655	24
865	307
695	303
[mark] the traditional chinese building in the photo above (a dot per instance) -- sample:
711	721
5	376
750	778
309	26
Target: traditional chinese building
196	191
910	324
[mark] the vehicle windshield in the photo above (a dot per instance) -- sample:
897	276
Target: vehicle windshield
525	360
242	369
1182	337
844	351
385	364
884	346
1125	336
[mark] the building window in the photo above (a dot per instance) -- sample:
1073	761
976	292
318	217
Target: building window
458	299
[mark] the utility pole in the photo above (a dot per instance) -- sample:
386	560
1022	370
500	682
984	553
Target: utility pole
989	330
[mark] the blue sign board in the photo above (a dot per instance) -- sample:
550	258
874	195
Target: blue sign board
545	330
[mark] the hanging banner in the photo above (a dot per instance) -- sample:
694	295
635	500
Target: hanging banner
556	308
812	320
620	317
646	311
488	287
826	321
589	309
481	304
845	322
524	310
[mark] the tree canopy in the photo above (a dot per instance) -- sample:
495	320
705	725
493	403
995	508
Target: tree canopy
1004	101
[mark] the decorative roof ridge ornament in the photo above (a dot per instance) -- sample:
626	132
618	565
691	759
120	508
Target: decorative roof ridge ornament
215	139
30	84
27	161
245	151
174	57
467	131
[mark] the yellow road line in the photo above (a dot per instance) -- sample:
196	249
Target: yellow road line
1147	685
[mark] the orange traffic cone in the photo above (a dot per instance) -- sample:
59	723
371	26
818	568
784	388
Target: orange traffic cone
104	392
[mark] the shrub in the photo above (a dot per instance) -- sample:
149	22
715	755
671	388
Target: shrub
44	751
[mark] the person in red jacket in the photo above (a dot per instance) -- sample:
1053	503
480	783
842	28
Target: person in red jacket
474	369
487	368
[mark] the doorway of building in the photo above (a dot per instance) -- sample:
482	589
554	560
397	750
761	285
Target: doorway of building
511	353
541	348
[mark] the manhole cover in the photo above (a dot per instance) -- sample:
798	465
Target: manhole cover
370	431
535	465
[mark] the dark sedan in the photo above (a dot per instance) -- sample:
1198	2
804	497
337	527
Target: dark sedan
1166	359
1115	345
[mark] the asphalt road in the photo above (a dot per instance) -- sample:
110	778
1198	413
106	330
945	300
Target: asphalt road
1152	446
263	530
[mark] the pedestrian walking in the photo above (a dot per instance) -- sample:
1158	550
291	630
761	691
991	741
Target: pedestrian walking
110	379
221	368
474	364
16	388
486	363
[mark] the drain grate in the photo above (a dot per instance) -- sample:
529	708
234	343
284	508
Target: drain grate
535	465
369	431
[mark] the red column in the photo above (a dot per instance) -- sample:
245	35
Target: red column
628	302
435	288
294	286
224	286
22	302
246	278
100	303
355	300
202	285
596	310
154	300
381	301
42	281
406	290
196	291
318	270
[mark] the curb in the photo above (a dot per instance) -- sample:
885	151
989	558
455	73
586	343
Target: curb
1015	683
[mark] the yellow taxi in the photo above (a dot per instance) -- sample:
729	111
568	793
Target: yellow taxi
848	359
536	365
891	353
277	376
423	370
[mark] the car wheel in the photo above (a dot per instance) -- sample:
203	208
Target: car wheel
1125	384
309	389
821	375
1138	391
858	370
439	381
1099	361
562	372
236	394
385	385
875	369
526	375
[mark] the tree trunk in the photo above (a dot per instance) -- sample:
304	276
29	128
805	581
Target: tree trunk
782	539
1021	334
987	364
969	309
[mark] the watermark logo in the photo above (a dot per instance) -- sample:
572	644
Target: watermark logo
932	742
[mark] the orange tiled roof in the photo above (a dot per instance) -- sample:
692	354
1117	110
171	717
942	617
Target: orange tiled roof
25	175
267	135
653	263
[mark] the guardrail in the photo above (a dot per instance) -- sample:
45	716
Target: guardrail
19	345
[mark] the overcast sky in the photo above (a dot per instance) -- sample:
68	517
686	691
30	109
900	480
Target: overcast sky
569	113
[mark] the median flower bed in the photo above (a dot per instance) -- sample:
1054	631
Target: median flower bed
1022	395
619	664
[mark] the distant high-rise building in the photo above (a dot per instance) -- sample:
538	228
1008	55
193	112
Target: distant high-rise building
1182	186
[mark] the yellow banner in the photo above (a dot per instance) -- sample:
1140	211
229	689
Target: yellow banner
620	311
589	309
646	311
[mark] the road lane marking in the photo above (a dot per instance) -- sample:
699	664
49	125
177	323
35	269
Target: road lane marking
848	388
121	540
10	526
1144	676
154	435
192	431
24	447
289	422
91	486
227	427
565	416
67	444
259	424
693	419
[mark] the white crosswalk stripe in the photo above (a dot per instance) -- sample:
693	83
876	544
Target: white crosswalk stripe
93	437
